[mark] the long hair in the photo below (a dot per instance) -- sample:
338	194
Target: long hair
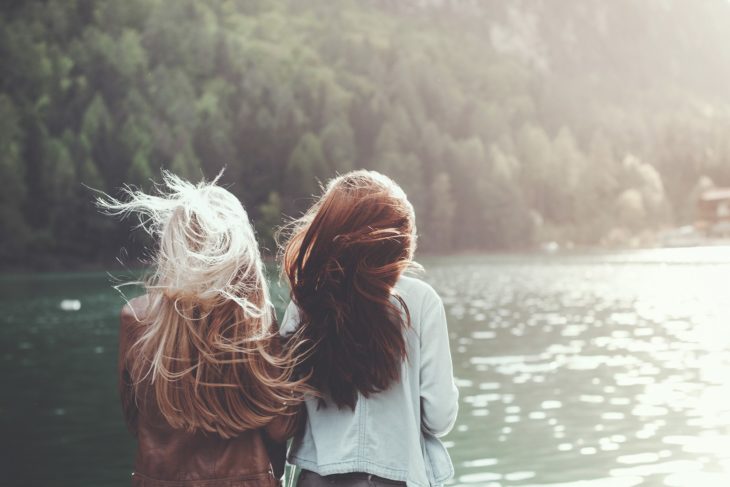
206	354
342	260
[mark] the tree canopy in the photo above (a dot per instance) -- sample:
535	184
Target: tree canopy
507	123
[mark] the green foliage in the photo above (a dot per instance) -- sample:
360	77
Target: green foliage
269	218
13	227
305	170
439	228
503	122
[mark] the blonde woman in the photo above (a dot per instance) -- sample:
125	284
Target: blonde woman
205	388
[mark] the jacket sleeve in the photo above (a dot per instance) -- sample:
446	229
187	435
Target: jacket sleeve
127	323
284	427
439	395
275	436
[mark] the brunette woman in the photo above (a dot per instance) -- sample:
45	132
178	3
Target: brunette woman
380	347
204	387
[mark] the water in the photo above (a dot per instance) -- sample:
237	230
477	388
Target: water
607	370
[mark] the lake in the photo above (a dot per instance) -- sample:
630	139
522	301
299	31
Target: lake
593	370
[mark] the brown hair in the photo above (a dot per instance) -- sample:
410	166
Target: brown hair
205	352
209	367
342	261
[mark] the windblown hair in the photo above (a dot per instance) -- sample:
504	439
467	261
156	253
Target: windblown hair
206	355
342	260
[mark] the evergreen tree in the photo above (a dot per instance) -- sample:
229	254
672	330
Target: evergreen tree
489	131
306	169
439	228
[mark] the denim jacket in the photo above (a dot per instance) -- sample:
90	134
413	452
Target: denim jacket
394	433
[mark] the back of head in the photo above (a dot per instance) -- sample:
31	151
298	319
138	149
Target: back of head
342	260
205	356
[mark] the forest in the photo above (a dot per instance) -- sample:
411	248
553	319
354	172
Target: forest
507	123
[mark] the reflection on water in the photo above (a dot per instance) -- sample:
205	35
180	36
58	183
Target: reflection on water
575	371
591	370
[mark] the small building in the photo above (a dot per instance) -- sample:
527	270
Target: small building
713	212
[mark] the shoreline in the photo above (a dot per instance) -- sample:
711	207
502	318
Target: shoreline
114	268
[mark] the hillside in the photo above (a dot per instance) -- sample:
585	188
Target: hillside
508	123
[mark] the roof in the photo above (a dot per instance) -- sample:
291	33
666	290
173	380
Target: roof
715	194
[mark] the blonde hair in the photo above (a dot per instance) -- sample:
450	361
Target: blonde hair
208	352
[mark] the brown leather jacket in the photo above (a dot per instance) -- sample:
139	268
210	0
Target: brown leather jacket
174	458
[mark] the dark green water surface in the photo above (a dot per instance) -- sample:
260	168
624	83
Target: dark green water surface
603	370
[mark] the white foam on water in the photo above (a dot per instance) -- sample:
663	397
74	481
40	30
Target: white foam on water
483	335
478	478
591	398
70	305
638	458
613	415
481	462
516	476
551	405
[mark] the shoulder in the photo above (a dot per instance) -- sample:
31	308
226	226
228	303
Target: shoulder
290	321
133	313
421	300
416	292
130	322
136	308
